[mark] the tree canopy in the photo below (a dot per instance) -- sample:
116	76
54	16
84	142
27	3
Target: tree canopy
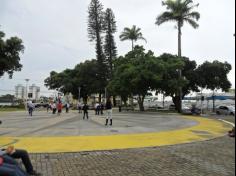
136	73
213	75
10	50
110	45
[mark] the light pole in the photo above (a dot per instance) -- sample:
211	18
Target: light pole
26	93
105	95
79	88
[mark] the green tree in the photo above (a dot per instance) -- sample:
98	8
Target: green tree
134	34
10	50
84	75
179	11
95	31
213	76
170	83
53	81
110	45
137	73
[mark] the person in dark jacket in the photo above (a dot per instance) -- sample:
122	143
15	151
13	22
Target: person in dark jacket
109	111
85	109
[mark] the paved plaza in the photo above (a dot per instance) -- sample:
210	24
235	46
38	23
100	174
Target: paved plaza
209	158
142	144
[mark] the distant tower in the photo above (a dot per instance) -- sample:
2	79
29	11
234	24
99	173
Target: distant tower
34	92
20	91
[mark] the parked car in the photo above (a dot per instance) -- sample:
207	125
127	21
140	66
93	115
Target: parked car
225	110
172	107
191	111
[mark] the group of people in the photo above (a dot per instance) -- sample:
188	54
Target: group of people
57	107
99	108
8	165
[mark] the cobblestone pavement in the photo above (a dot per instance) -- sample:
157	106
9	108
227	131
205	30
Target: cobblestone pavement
209	158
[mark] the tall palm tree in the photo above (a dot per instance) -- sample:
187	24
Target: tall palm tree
132	34
179	11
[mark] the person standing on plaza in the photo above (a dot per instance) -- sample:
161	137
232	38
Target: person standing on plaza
54	108
85	109
59	108
67	107
79	107
96	109
109	111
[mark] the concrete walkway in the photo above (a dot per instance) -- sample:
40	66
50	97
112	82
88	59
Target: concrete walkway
47	133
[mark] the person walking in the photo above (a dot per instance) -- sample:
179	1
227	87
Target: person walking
31	107
85	109
109	111
79	107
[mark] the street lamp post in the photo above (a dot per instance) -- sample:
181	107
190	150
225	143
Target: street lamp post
79	88
105	95
26	93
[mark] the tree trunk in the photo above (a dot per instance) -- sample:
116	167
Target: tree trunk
177	104
100	97
163	102
179	40
132	45
140	103
114	101
213	100
85	99
180	71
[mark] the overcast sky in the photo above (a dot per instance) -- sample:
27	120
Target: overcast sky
55	33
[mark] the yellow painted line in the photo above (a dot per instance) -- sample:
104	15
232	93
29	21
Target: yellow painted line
206	129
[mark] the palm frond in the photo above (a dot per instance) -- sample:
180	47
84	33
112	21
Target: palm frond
179	11
193	15
165	17
192	23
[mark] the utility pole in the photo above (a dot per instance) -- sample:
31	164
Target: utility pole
26	93
79	88
105	95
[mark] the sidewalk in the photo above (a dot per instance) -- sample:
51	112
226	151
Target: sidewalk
209	158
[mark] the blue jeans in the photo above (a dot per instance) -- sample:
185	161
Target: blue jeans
10	168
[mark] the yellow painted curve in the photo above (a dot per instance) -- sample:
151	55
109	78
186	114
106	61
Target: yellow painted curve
205	130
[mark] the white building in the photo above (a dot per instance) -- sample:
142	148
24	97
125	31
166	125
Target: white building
34	92
20	91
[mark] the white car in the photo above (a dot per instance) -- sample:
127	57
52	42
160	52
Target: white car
225	110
